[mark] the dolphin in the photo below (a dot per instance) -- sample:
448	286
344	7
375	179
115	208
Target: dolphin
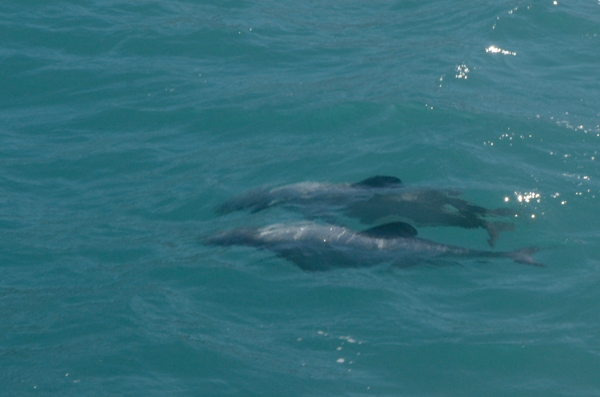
314	246
374	200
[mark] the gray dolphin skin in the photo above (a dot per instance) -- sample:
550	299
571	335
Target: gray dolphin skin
314	197
316	247
374	200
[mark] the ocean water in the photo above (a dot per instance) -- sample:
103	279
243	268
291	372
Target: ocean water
125	124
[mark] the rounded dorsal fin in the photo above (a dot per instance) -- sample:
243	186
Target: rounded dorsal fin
379	181
391	230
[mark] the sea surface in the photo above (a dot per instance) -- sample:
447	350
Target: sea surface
124	124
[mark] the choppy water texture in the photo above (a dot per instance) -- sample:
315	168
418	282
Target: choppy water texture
124	124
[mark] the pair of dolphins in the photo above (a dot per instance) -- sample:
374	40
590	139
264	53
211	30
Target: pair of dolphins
316	246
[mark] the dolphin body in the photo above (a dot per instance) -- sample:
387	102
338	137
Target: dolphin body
373	200
315	247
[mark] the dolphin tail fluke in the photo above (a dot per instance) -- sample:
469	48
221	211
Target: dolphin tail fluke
524	256
494	229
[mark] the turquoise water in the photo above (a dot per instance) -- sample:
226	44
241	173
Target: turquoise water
124	124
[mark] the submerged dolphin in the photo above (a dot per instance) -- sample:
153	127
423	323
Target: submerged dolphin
374	200
314	246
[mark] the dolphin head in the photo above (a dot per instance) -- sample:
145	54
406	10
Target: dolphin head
253	200
241	236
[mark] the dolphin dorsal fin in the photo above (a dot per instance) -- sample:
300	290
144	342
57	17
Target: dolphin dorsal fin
379	181
391	230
